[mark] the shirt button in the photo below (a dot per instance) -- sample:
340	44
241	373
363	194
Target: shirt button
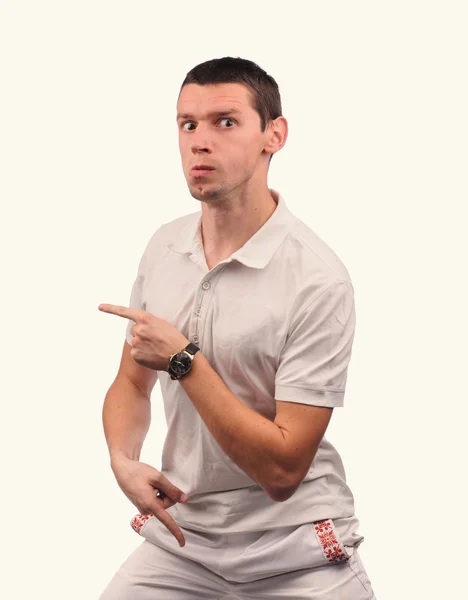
206	285
195	339
198	311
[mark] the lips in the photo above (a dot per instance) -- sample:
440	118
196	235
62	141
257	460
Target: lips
201	170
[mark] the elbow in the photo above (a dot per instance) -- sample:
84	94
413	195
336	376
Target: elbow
286	481
282	488
281	494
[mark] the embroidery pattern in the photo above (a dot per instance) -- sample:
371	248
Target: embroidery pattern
139	520
331	547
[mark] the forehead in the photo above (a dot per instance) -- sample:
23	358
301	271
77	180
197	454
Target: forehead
198	99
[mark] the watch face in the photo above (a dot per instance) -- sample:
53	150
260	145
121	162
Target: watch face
180	363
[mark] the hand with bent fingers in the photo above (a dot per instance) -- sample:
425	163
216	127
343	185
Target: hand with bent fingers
140	483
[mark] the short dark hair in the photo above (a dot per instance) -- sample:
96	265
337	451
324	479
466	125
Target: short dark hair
263	89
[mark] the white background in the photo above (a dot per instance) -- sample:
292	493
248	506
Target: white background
376	164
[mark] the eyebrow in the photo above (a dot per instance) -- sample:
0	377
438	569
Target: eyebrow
218	113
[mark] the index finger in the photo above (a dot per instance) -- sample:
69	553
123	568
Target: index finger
168	521
122	311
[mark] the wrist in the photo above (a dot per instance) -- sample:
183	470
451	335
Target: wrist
180	363
119	456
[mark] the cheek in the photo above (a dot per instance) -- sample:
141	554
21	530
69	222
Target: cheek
250	150
244	153
184	147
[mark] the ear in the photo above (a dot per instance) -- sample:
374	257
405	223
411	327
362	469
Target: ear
277	134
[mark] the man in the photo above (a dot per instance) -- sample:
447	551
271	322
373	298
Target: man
247	319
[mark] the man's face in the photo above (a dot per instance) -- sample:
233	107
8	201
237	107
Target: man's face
219	128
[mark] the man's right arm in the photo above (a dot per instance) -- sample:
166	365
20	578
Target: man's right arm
126	413
126	416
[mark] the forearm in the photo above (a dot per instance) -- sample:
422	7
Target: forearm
253	442
126	417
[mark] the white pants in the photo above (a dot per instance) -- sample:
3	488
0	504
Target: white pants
302	562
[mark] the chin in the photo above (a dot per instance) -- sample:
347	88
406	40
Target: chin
203	191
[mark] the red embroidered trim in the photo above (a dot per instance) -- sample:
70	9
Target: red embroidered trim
139	520
331	547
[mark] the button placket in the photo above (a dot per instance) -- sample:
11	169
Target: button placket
201	298
205	286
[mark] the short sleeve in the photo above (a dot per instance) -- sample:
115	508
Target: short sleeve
313	364
136	295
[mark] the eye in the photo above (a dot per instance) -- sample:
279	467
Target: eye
227	119
186	123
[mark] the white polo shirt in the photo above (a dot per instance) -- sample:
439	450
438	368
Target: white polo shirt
276	322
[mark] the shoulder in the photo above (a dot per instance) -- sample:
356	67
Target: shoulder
313	255
307	268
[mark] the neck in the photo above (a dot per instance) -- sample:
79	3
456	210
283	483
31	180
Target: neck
227	228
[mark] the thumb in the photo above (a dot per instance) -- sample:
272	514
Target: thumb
170	490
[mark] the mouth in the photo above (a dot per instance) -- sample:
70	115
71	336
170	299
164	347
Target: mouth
202	170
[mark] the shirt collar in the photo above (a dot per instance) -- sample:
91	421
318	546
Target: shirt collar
257	251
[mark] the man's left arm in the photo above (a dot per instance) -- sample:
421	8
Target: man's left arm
274	454
310	382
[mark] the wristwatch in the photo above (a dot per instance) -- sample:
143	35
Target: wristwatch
180	363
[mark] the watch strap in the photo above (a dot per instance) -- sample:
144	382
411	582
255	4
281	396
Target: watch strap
192	349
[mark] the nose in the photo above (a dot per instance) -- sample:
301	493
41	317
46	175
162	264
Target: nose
200	147
199	141
197	148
